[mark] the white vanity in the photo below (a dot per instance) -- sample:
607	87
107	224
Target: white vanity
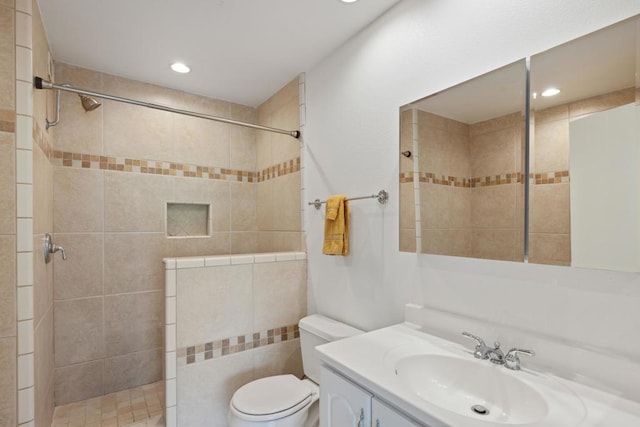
400	376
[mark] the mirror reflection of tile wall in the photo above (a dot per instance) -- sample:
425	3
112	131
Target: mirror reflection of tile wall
470	186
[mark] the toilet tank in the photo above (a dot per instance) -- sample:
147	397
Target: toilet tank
316	330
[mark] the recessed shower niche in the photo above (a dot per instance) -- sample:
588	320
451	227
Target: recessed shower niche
188	220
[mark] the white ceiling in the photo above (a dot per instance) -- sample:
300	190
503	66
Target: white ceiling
238	50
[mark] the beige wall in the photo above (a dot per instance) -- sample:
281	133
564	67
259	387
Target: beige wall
279	223
8	336
550	212
42	223
115	170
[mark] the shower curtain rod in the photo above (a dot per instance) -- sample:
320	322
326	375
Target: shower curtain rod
40	83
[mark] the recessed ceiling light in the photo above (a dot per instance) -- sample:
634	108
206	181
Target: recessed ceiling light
552	91
348	1
179	67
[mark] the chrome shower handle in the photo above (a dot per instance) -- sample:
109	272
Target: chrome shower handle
48	248
57	248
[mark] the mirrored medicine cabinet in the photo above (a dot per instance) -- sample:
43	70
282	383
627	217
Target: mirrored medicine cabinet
464	159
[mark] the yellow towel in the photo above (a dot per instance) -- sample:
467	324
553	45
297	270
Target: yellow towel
336	226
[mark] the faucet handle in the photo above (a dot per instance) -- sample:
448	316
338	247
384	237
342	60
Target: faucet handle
512	361
480	350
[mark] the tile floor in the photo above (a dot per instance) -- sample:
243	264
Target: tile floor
138	407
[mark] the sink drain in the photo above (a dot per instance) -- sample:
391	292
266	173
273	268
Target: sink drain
480	410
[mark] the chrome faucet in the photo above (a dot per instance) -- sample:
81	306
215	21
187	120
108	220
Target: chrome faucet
512	361
483	351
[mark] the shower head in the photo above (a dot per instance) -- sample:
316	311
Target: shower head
89	103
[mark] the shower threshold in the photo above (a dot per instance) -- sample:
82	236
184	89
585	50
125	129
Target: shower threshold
137	407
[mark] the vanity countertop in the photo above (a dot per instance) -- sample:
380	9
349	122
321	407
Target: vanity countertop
371	360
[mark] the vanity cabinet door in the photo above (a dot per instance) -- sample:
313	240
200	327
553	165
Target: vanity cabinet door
384	416
342	403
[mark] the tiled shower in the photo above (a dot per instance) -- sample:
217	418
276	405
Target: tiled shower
101	182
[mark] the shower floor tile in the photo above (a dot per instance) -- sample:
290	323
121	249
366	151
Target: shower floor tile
137	407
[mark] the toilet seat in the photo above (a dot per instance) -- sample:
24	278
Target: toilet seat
271	398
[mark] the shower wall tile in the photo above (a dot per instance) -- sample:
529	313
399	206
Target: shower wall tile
499	244
242	141
494	153
79	330
78	200
407	211
551	146
209	297
24	30
432	145
42	279
286	203
44	370
551	212
497	124
407	240
243	207
434	206
78	131
132	370
550	248
43	193
42	99
7	58
7	286
150	129
201	141
144	273
287	117
493	207
78	382
453	242
216	244
460	207
602	102
282	285
560	112
133	322
265	205
82	275
134	202
7	183
243	242
264	156
280	241
8	385
215	193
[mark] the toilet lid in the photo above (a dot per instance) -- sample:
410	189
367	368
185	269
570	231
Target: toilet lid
277	396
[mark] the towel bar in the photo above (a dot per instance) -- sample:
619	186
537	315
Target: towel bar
382	197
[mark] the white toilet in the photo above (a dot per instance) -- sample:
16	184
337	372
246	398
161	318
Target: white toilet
285	400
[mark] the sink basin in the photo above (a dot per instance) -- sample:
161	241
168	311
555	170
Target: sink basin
472	388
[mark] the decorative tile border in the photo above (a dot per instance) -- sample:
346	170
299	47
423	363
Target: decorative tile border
278	170
7	121
453	181
559	177
155	167
232	345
